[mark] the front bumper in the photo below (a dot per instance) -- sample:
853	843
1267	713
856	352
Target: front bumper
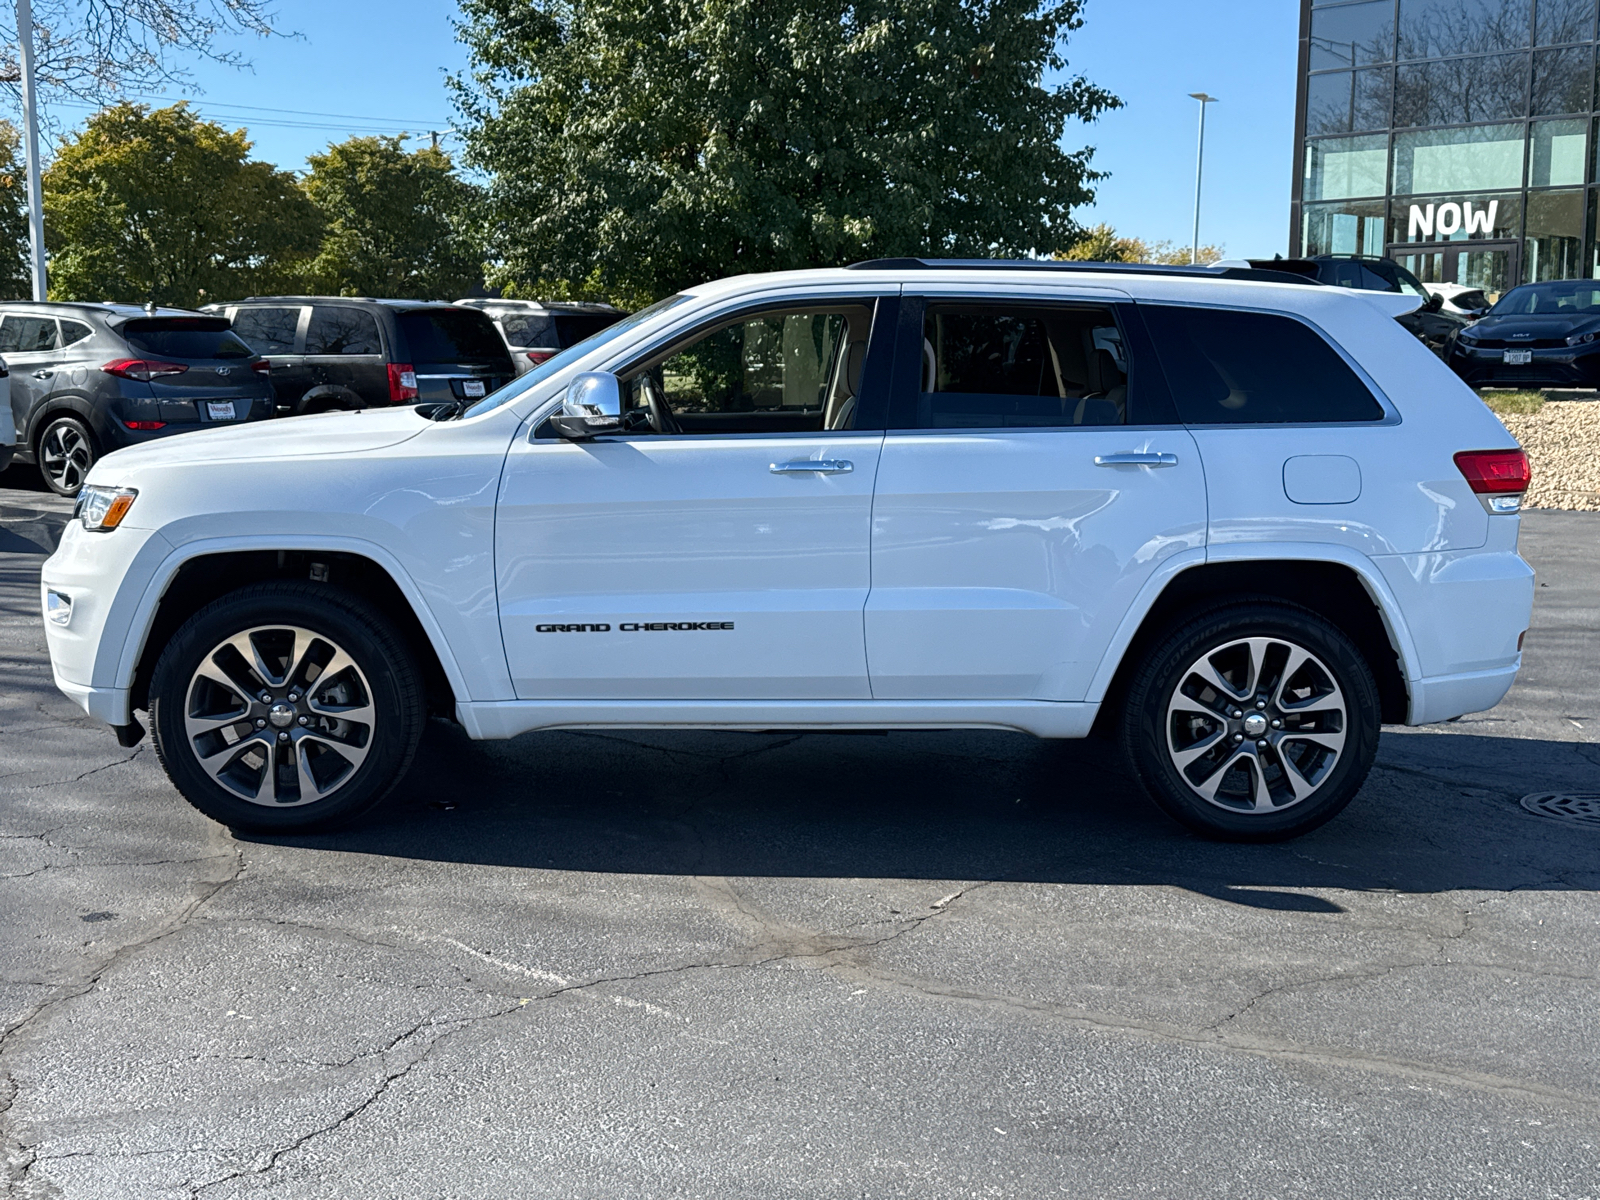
1567	366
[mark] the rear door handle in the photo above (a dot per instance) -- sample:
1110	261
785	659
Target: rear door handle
814	466
1136	458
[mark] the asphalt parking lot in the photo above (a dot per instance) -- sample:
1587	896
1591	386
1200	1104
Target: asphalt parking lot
924	965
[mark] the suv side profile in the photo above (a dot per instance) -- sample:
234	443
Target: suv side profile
1235	524
535	330
87	379
340	353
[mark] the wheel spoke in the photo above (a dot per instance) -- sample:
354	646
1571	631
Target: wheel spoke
1182	758
1297	659
1212	676
1261	798
1209	785
1258	656
1298	783
1328	741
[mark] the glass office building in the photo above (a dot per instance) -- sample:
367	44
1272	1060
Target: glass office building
1455	136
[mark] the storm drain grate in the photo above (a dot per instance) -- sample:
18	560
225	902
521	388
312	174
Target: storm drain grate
1578	808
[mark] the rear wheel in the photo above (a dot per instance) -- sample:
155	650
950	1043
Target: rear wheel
65	453
1253	722
286	708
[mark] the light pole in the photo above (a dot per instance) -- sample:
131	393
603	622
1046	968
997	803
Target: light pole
1199	160
30	128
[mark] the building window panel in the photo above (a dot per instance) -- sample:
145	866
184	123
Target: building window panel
1349	228
1558	151
1330	103
1441	28
1559	21
1459	160
1337	168
1553	245
1352	35
1461	90
1563	80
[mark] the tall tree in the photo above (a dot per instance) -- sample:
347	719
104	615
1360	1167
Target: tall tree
163	206
397	224
637	146
15	281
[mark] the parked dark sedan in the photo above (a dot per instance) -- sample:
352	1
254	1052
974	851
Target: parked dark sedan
348	352
87	379
1538	335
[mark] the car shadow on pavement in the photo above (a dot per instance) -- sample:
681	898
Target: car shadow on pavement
1440	812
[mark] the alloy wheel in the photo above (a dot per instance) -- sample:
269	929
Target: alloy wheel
1256	725
65	456
280	716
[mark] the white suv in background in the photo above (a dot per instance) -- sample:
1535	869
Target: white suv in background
1234	520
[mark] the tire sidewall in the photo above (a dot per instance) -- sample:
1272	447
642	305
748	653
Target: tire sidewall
376	649
1145	721
88	436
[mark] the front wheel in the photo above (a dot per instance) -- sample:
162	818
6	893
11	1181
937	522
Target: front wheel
1252	722
286	708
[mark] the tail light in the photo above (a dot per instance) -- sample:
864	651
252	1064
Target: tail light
145	426
261	367
142	369
1499	476
538	356
402	383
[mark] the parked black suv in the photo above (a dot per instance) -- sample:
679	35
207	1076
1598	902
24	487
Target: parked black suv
344	352
87	379
1432	325
536	330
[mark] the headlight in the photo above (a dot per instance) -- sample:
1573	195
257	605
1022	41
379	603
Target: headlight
1467	338
1579	339
103	508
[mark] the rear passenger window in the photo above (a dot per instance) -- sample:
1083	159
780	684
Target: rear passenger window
74	331
341	331
267	330
988	366
19	335
1251	368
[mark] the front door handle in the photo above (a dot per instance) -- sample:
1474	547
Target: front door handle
1136	458
45	374
814	466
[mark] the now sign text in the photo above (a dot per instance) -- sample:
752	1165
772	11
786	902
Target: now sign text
1452	218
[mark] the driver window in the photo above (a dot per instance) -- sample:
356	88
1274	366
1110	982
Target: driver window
995	366
776	372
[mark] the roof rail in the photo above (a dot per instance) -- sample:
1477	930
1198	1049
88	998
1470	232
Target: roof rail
1093	268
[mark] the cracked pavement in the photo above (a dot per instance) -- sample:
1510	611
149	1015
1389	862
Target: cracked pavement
927	965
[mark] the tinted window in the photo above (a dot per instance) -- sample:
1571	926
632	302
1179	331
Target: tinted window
267	330
572	328
185	337
74	331
998	366
1352	34
1242	368
1348	273
22	334
335	329
774	362
452	335
529	330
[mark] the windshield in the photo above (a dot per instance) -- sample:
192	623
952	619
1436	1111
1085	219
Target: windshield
571	354
1566	299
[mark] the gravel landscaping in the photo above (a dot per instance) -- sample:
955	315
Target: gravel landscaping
1562	438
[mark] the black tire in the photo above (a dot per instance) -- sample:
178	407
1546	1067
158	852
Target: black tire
1260	792
367	760
65	451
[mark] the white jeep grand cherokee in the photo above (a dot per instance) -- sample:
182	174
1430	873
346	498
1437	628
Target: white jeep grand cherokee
1234	520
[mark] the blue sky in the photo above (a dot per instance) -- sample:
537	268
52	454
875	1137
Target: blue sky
379	65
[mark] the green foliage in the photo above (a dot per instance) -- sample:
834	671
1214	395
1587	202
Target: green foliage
1507	401
396	224
639	146
166	207
1102	244
16	274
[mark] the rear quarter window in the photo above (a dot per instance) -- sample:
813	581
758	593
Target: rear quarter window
1249	368
185	337
335	329
452	335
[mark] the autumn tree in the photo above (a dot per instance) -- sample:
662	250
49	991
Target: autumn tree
160	205
638	146
16	280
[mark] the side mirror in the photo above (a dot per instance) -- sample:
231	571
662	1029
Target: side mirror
593	406
1434	303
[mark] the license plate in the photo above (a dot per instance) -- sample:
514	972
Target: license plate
1518	358
472	388
219	410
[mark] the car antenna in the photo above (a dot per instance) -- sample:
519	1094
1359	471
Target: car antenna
150	306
